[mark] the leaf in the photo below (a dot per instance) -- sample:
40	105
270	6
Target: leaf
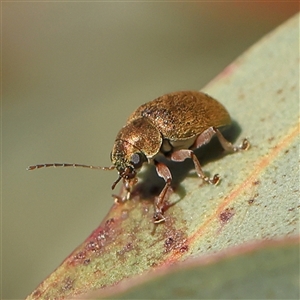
257	198
257	271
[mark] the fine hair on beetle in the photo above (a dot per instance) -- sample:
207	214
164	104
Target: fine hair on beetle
173	125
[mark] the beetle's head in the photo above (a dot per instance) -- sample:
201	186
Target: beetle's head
135	143
127	159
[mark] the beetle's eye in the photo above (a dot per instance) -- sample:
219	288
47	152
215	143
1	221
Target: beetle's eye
137	159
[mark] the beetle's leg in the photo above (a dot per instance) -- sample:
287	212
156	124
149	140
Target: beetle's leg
164	172
128	184
227	145
207	135
121	199
183	154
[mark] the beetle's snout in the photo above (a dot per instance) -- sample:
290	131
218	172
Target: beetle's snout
127	174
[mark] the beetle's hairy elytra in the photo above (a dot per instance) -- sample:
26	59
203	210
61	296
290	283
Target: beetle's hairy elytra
172	125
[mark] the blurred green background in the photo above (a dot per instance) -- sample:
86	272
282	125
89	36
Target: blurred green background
71	75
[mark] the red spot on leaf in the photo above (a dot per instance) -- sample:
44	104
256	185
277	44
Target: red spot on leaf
226	215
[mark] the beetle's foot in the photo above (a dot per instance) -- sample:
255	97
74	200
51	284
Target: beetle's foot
244	146
158	217
119	199
215	180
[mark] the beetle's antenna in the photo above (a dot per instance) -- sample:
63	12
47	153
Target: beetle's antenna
54	165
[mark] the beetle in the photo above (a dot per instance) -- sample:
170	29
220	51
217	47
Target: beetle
172	125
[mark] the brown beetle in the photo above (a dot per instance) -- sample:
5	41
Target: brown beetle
172	125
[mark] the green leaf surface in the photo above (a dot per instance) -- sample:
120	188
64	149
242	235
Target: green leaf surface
257	198
262	270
